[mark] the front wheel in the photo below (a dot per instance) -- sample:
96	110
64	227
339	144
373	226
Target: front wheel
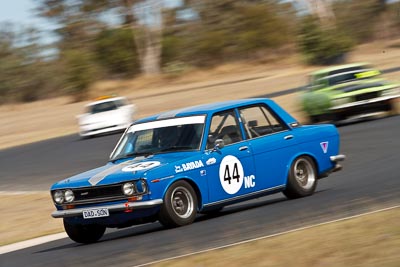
302	179
180	205
84	233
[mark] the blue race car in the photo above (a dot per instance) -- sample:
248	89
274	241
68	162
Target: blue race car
174	165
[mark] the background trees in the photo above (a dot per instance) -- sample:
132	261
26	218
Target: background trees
105	39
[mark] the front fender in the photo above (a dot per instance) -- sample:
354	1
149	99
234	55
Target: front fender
159	187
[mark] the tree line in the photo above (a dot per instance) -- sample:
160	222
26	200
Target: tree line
108	39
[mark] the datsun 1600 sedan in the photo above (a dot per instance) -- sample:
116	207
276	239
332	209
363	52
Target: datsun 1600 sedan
174	165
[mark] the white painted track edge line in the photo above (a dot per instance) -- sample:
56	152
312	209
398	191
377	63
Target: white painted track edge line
269	236
44	239
31	242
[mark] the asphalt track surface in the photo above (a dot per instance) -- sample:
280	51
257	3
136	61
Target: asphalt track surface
369	180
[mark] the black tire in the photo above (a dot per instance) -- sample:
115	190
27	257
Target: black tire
85	234
302	179
394	107
180	205
339	117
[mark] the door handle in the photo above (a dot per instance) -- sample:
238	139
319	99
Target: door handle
243	148
287	137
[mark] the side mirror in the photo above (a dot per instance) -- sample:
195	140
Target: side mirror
218	144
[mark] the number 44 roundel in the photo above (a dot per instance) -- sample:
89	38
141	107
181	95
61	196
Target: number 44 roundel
231	174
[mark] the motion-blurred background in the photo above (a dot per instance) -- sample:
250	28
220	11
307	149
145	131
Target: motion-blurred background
93	40
168	54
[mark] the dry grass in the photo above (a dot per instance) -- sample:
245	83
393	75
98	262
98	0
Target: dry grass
25	216
367	241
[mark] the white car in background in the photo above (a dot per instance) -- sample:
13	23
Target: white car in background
106	115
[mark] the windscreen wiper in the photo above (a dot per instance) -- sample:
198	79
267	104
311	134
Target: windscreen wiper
174	148
133	154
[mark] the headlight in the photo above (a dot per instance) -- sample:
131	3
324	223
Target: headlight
128	189
69	196
141	186
58	197
340	101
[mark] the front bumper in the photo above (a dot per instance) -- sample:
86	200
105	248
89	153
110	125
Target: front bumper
336	167
111	208
337	159
368	106
85	131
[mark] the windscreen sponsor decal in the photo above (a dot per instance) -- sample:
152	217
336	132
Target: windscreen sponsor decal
141	166
324	146
367	74
189	166
166	123
231	174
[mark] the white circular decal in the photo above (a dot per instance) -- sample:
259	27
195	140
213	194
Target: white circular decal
141	166
231	174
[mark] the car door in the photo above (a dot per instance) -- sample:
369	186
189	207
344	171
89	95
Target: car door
228	168
272	143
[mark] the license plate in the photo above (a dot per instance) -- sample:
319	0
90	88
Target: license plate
95	213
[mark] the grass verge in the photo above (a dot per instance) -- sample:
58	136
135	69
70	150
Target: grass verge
25	216
368	241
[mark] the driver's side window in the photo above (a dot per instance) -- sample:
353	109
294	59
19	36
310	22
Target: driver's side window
224	126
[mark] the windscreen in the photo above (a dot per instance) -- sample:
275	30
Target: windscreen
102	107
172	135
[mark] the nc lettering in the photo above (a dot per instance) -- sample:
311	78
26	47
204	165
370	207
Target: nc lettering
249	181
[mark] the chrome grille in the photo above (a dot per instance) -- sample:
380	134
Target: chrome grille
100	194
90	193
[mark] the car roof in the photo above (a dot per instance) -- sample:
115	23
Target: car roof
329	69
205	109
105	99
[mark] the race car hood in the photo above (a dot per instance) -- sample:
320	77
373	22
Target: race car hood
131	169
99	117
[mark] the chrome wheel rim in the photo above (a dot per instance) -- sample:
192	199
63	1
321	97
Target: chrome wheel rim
304	173
182	202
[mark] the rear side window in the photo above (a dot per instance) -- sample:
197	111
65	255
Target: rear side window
351	69
259	121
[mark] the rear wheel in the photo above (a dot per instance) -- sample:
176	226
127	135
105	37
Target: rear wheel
180	205
84	233
339	117
302	179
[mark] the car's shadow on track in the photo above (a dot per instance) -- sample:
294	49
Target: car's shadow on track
252	204
150	228
113	235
